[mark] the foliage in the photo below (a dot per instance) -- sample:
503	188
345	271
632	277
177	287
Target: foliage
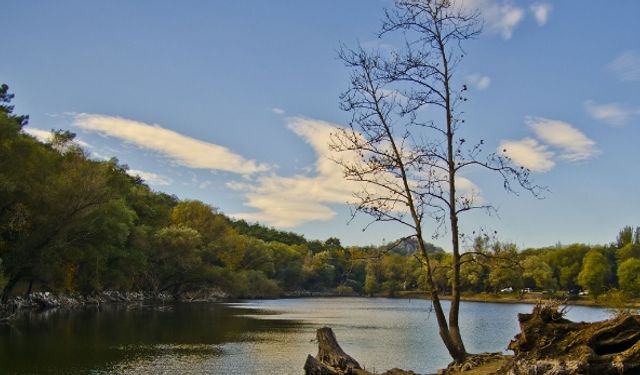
537	273
629	276
595	272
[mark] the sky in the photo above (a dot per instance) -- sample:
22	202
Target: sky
232	103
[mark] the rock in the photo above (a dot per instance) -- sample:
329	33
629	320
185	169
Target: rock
43	300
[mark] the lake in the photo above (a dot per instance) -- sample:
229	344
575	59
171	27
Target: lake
249	337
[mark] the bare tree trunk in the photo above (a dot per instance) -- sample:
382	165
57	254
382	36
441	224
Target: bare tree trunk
30	289
405	159
454	311
6	292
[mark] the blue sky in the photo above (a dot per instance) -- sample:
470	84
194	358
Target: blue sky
230	103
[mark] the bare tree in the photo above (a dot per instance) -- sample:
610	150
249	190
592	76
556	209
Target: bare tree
403	144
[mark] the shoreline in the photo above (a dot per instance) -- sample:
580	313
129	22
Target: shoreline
530	299
43	301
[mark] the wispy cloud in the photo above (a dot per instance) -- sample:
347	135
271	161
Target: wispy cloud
278	111
528	153
626	66
480	82
541	12
290	201
614	114
500	16
571	142
181	149
150	178
553	137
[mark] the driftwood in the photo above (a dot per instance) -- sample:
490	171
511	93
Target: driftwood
332	360
550	344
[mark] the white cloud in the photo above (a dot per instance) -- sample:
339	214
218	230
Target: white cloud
573	144
183	150
43	136
278	111
541	12
290	201
150	178
611	113
528	153
500	16
480	82
626	66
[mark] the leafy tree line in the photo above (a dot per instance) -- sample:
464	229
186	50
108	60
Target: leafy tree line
72	224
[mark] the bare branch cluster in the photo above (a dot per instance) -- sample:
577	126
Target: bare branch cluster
403	144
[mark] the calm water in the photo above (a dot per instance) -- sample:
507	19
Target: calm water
265	336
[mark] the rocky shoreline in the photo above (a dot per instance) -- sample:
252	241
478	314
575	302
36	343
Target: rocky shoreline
41	301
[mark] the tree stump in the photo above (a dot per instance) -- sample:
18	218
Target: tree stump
550	344
331	359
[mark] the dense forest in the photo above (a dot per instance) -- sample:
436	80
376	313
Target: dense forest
72	224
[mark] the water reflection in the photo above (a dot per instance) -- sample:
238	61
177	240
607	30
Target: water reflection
267	337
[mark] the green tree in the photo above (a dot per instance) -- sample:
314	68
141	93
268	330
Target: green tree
287	263
595	272
537	273
504	269
625	236
175	262
371	285
629	276
58	215
473	275
566	263
627	251
199	216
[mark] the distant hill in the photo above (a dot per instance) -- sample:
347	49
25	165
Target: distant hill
409	246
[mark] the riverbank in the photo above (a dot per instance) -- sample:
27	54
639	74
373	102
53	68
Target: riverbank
528	298
46	300
40	301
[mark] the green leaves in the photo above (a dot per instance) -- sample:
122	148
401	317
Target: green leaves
596	269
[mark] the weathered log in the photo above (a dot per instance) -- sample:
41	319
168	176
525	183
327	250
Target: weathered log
550	344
